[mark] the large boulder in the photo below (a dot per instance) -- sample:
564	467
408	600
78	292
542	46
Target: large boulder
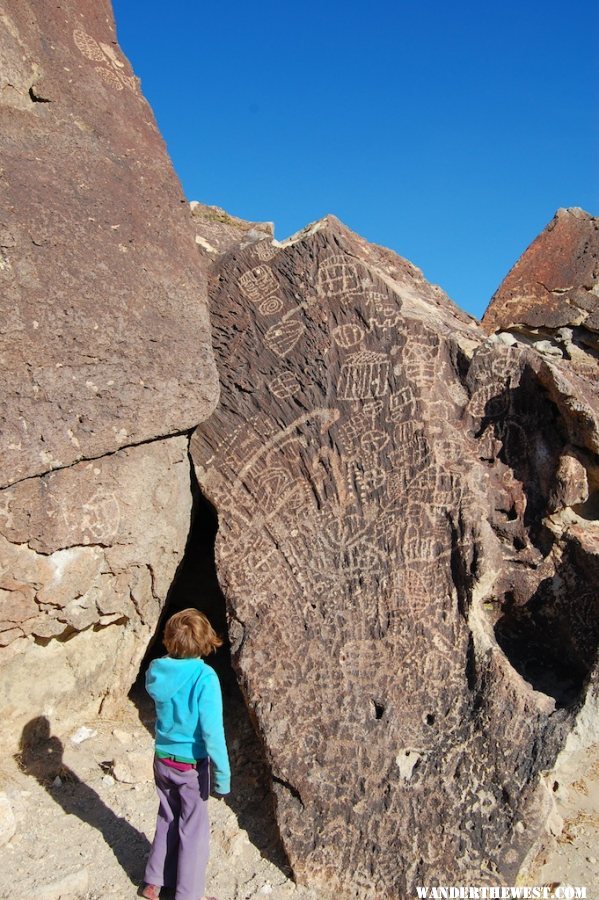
106	357
412	637
104	329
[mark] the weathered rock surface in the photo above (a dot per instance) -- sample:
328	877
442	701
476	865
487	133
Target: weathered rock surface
88	554
104	334
218	231
553	290
106	355
413	627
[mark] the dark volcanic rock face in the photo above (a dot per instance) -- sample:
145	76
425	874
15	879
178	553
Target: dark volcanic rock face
382	474
104	330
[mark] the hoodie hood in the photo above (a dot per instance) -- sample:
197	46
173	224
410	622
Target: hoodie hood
166	676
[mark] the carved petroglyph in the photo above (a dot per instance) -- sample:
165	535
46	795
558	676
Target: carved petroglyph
265	250
88	46
258	283
271	306
96	520
284	386
112	71
364	374
110	77
368	480
282	337
402	404
339	278
348	335
383	311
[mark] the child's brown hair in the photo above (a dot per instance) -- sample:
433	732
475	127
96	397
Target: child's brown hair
189	634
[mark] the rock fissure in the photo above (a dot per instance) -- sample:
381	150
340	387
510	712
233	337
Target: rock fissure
83	459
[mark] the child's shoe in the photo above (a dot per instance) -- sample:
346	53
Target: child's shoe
150	892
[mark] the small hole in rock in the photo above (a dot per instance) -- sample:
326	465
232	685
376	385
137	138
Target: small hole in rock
378	709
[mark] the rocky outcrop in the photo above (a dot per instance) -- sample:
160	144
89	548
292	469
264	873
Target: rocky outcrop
104	328
412	635
552	293
218	231
105	345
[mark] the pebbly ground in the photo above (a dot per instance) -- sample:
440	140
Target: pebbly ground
83	815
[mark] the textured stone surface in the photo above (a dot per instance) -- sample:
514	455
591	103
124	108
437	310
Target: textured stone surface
8	825
88	554
104	335
555	283
217	231
412	632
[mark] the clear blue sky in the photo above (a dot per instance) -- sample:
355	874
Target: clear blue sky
448	131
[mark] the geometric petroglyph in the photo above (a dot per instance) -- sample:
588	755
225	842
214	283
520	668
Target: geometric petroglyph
383	311
110	77
364	375
338	278
374	440
104	53
258	283
368	480
284	386
271	305
348	335
96	521
420	363
402	404
359	433
88	46
282	337
265	250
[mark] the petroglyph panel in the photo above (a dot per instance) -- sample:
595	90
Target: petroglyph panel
112	70
363	375
356	489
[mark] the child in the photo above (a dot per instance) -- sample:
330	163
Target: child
189	733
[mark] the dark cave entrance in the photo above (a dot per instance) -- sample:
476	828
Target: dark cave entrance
196	585
553	639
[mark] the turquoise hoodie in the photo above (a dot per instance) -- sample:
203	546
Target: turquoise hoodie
189	713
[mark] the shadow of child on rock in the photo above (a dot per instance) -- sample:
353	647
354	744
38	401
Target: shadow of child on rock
41	756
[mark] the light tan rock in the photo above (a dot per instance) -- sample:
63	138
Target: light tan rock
8	825
88	554
134	767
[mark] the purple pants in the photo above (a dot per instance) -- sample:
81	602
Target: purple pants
179	854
